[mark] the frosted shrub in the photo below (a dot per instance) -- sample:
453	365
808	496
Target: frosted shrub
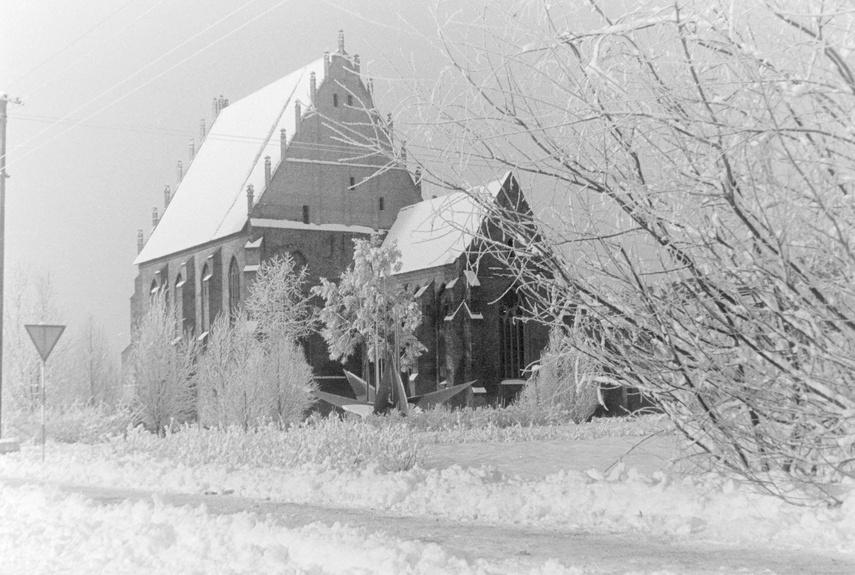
246	380
564	386
76	423
160	369
334	443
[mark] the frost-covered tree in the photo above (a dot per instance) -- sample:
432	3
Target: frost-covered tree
279	299
248	379
95	374
254	369
368	308
161	369
691	168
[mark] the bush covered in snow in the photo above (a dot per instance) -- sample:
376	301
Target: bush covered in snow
249	380
76	423
335	443
161	368
564	386
508	424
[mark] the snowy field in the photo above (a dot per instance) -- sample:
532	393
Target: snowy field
47	527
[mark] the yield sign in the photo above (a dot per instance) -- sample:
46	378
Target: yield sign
44	337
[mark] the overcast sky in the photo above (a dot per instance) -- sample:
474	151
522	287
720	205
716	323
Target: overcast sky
113	90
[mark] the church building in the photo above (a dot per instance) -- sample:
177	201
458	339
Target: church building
272	176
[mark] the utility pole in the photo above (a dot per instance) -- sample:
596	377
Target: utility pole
4	100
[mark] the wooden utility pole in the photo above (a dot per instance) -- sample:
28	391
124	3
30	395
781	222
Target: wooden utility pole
4	100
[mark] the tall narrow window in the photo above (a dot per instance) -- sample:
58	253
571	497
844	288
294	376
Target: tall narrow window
511	337
335	100
352	183
381	204
206	298
305	214
234	287
178	305
350	99
153	288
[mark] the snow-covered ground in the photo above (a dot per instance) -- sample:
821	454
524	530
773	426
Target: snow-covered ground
50	529
44	531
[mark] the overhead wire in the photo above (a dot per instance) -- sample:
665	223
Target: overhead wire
428	154
147	66
80	59
70	44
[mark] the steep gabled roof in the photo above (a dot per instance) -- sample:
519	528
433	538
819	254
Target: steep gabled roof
436	232
210	202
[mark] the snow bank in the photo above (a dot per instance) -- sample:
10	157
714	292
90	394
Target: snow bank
44	531
702	507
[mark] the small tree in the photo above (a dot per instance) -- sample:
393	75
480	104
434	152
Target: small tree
253	369
279	299
161	369
97	379
248	379
367	307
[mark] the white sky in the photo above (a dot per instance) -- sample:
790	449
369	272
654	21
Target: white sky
78	193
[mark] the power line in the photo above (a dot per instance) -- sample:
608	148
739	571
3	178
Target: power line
70	44
80	59
139	71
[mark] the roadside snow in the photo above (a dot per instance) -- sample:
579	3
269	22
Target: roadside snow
44	531
697	507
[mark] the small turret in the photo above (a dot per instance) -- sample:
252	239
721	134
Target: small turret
341	43
250	199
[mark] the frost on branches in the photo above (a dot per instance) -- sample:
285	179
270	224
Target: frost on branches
691	166
369	308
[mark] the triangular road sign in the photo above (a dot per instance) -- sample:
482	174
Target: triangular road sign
44	337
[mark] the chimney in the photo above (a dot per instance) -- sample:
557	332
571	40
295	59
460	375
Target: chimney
298	116
283	143
266	172
371	86
202	131
341	43
250	199
140	241
215	110
180	171
192	149
418	178
313	87
356	63
154	217
390	126
225	103
326	64
167	195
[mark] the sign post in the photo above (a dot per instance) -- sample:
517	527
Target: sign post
44	338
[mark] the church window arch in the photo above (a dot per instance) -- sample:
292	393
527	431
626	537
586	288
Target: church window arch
206	298
234	287
178	305
511	336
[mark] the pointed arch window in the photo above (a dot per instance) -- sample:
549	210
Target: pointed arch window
234	287
206	298
511	337
178	305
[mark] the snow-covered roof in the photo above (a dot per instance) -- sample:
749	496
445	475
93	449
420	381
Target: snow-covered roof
210	202
436	232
